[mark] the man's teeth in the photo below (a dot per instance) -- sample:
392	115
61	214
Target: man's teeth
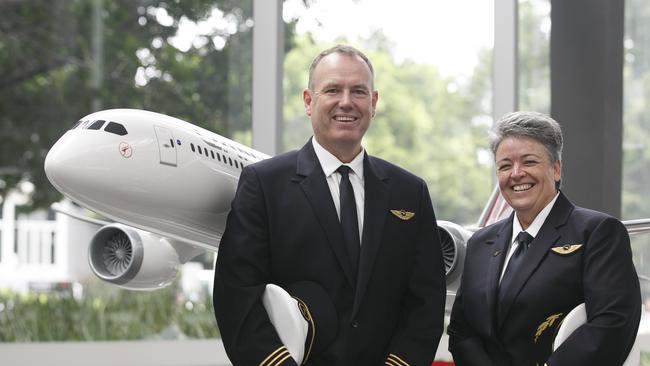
522	187
344	118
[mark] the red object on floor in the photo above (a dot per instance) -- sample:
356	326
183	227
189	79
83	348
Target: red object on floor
440	363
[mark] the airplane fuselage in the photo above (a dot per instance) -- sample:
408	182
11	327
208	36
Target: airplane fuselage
151	171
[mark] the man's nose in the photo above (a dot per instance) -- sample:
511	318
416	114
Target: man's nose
346	99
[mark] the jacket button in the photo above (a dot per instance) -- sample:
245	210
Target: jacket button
355	324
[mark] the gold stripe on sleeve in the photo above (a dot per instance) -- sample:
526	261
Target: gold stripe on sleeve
391	363
397	360
279	362
279	358
270	359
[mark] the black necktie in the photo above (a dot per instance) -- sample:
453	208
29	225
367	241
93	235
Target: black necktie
517	257
509	275
349	220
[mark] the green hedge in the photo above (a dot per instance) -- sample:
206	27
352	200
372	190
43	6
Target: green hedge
104	313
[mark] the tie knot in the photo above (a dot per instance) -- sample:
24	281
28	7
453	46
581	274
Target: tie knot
344	170
524	238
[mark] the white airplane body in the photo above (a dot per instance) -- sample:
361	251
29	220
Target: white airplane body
150	177
152	172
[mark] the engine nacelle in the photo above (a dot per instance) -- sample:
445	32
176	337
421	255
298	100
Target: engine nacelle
453	239
135	259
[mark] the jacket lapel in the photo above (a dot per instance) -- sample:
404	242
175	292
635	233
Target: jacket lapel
312	180
375	211
495	266
547	236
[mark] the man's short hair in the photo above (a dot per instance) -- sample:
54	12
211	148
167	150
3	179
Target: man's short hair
537	126
346	50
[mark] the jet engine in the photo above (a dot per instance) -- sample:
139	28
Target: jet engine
453	239
136	259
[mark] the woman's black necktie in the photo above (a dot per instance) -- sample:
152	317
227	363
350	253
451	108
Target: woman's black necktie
349	220
514	264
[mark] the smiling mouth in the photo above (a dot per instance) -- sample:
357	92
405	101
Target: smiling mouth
345	118
522	187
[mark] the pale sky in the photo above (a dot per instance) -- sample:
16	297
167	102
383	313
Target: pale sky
444	33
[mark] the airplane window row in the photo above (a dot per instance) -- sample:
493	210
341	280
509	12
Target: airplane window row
112	127
222	158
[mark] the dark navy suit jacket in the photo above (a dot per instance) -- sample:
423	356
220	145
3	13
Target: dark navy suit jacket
578	256
283	228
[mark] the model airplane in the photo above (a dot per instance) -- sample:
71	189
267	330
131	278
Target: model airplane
168	186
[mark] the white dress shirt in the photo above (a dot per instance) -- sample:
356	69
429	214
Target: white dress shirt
533	229
330	163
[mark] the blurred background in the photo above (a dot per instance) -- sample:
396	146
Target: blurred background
440	88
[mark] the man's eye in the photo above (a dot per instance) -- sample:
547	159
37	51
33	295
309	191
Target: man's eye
503	167
330	91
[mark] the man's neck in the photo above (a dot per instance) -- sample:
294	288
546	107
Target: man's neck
345	153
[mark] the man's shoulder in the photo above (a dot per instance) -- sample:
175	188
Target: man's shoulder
276	163
392	170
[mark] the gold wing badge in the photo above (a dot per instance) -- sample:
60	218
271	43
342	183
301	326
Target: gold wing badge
403	215
566	249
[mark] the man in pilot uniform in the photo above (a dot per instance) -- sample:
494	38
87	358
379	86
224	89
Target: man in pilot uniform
357	226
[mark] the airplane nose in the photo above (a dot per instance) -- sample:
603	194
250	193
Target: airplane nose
58	165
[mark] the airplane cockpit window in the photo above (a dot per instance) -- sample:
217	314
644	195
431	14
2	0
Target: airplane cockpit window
96	125
115	128
76	125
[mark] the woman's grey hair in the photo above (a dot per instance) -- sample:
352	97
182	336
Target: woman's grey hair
537	126
346	50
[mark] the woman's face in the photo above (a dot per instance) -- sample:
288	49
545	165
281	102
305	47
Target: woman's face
526	175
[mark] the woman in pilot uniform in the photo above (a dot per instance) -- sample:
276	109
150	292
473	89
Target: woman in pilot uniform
524	274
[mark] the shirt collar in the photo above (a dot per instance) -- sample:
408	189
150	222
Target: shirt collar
537	223
330	163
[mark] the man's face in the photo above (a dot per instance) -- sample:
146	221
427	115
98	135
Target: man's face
526	176
342	101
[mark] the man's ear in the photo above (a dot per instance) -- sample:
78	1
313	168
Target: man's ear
375	98
306	98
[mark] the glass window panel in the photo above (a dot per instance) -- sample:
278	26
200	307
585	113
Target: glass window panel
636	109
432	65
636	138
534	27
